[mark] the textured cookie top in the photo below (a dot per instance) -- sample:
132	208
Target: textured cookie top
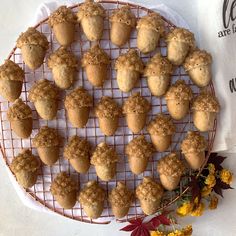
179	91
77	148
206	102
170	165
25	161
121	196
61	15
193	142
95	56
92	194
46	137
19	111
152	21
43	90
196	59
32	37
107	108
104	155
62	185
90	8
161	125
123	15
139	147
62	57
11	71
136	104
78	98
129	61
158	65
149	190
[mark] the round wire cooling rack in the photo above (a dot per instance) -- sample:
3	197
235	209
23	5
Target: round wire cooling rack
11	145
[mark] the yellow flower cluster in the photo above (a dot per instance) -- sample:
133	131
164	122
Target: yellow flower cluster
185	208
206	191
213	202
198	211
226	176
210	180
187	231
211	168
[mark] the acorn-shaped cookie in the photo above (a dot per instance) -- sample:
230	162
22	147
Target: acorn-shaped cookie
96	61
170	169
108	113
122	22
44	96
149	194
129	67
63	65
193	147
77	151
33	45
180	42
150	29
120	199
11	80
77	104
25	166
20	117
178	98
104	158
198	66
135	108
205	108
161	130
158	72
63	189
47	144
91	17
62	21
139	151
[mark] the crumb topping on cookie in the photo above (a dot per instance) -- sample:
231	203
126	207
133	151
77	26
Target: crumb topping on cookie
11	71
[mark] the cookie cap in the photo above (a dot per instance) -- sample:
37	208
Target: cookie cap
161	125
32	37
179	91
129	61
107	108
78	98
11	71
77	148
171	165
104	155
62	185
149	190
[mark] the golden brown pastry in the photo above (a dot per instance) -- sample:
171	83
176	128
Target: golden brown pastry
63	21
104	158
129	67
96	61
91	16
161	130
77	151
170	169
20	117
193	147
63	188
178	98
63	65
108	113
150	29
180	42
205	108
47	143
11	80
122	22
135	108
25	166
149	194
77	104
92	198
44	96
33	45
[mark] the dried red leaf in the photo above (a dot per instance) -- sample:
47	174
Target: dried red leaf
222	184
137	221
195	189
136	232
164	220
218	190
128	228
150	226
216	160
